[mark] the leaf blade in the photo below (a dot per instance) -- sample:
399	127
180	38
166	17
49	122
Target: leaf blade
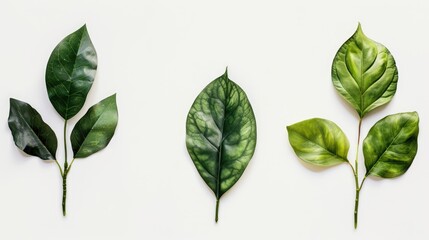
391	145
30	133
364	73
70	73
319	141
95	129
221	134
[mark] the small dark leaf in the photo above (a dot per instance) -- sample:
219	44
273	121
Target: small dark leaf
391	145
70	73
95	129
30	133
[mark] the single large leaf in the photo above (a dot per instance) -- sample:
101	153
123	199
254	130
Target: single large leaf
95	129
70	73
30	133
221	134
319	142
391	145
364	73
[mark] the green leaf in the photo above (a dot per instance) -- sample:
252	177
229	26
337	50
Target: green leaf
391	145
364	73
319	142
95	129
221	134
70	73
30	133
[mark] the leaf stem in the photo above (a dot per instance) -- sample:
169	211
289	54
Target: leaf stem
217	210
356	173
59	167
65	146
357	148
71	164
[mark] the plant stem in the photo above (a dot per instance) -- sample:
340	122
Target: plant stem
356	173
356	207
64	193
357	148
217	210
66	168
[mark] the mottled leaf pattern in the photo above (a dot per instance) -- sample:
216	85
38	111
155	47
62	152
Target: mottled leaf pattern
70	73
391	145
30	133
319	142
221	134
95	129
364	73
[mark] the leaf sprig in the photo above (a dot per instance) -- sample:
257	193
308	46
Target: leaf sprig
69	76
365	74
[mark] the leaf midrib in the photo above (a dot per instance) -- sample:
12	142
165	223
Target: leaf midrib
218	173
71	74
34	133
333	154
92	128
385	150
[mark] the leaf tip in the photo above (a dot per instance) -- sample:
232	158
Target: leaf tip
359	30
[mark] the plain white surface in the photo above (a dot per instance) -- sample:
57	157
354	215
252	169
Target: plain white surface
157	56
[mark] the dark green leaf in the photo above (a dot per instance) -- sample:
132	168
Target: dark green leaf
364	73
30	133
391	145
319	142
70	73
95	129
221	134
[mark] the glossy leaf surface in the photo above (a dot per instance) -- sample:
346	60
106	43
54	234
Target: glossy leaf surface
30	133
95	129
221	134
391	145
364	73
319	142
70	73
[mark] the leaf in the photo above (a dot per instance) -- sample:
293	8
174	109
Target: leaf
319	142
364	73
221	134
30	133
95	129
70	73
391	145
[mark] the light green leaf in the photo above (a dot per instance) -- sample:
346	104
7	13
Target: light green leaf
70	73
319	142
95	129
391	145
364	73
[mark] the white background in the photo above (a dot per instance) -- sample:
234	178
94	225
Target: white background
157	56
